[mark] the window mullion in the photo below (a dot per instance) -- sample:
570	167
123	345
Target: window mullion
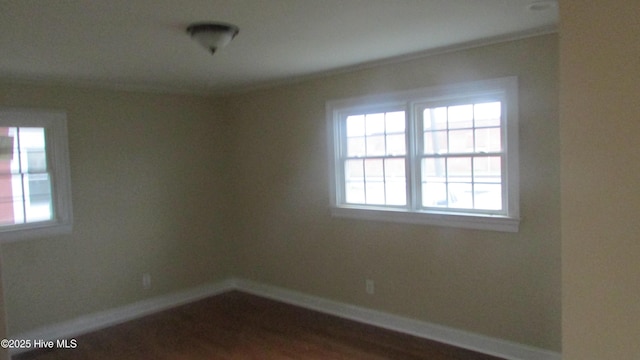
22	175
413	169
49	161
364	176
340	158
504	179
342	191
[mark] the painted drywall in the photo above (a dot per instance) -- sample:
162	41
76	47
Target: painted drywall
503	285
148	188
194	190
600	136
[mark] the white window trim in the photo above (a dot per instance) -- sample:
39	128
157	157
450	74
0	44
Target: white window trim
507	87
55	124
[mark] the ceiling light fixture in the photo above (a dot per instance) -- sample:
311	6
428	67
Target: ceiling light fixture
212	36
543	5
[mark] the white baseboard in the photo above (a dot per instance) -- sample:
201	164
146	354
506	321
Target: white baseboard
480	343
100	320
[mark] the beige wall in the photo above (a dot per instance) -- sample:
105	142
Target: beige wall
194	190
499	284
148	195
600	133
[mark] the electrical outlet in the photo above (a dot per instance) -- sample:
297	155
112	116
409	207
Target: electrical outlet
146	281
369	286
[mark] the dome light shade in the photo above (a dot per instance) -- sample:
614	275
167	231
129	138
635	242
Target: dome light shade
212	36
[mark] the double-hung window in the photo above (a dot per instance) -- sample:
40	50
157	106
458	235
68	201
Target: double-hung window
35	196
441	156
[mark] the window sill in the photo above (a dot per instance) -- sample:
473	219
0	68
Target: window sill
34	230
464	221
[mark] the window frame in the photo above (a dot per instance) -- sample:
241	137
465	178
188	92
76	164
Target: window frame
55	124
505	89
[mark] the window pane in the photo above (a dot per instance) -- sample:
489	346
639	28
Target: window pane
375	193
6	193
15	156
435	118
354	170
394	168
434	187
375	145
434	170
32	150
459	178
488	196
39	186
355	146
435	142
395	122
36	160
434	194
459	169
487	114
487	169
396	144
395	181
38	198
374	124
355	126
396	193
6	145
12	201
460	195
461	141
354	192
373	169
354	181
488	140
460	116
7	199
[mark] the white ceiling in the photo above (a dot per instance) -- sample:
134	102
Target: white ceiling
143	43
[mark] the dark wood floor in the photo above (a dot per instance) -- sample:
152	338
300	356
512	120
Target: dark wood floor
241	326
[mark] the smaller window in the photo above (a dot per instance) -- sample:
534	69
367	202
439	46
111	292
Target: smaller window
35	196
439	156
